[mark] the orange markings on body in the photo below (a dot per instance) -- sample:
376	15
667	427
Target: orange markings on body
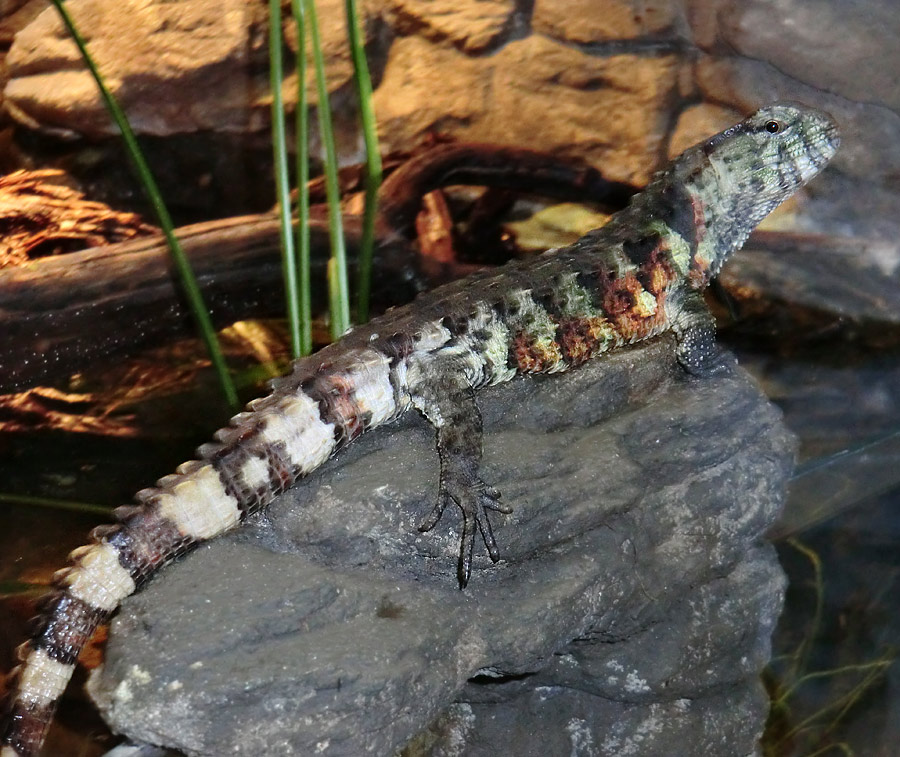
582	338
532	356
621	304
657	273
620	296
698	276
627	310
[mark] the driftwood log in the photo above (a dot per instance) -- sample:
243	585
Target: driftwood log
62	313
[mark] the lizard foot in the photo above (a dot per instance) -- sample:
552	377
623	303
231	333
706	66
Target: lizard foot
474	498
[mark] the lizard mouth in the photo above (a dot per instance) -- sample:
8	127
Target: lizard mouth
831	137
819	151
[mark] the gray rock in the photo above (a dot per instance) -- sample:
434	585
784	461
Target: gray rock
631	609
870	131
849	277
847	48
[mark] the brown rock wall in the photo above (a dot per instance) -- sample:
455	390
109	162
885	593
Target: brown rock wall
697	122
172	66
622	83
469	26
510	98
589	21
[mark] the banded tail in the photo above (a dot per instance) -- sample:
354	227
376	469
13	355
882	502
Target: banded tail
628	281
285	436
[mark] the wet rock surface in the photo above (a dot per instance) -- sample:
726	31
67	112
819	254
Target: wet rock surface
839	277
631	609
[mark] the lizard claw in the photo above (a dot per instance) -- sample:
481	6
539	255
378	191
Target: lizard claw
474	498
435	515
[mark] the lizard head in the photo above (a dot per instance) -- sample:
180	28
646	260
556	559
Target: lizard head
771	153
739	176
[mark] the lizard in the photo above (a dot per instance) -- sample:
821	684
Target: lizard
640	275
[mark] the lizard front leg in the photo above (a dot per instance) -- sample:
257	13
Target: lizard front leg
695	331
448	403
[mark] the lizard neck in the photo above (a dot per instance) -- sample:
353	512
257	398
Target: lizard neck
689	215
704	206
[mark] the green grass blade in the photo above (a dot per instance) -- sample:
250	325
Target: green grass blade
302	153
332	279
373	159
339	306
282	181
188	280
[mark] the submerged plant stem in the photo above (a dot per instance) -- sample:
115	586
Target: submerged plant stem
801	657
188	280
872	670
55	504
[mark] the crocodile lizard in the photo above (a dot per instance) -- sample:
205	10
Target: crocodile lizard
638	276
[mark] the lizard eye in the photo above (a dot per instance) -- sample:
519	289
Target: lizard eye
773	127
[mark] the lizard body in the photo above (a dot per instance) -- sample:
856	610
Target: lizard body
638	276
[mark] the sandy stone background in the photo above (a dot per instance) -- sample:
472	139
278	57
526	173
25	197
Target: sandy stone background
623	83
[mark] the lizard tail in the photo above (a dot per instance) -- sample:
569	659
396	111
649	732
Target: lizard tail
203	499
99	577
261	453
46	665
